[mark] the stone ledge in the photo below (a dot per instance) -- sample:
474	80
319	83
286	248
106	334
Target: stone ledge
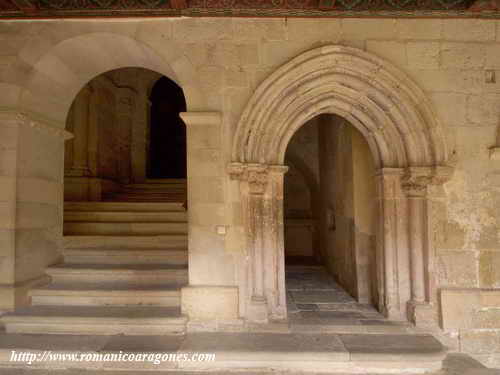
16	118
201	118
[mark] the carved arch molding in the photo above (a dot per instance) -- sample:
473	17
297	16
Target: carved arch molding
409	150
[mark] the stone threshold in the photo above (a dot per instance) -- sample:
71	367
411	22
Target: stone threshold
323	353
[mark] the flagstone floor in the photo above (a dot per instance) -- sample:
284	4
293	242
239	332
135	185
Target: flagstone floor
314	298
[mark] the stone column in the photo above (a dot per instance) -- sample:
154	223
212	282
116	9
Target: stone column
392	245
81	111
416	181
31	203
261	188
415	186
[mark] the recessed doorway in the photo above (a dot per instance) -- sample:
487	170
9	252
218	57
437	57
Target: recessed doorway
330	221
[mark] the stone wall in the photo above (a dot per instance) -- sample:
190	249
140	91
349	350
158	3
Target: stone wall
348	210
219	63
301	199
109	121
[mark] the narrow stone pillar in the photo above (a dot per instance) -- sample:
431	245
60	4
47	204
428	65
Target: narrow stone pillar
81	131
261	188
274	243
31	203
415	186
392	245
212	293
416	181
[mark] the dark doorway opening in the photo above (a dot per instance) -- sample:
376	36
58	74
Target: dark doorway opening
167	146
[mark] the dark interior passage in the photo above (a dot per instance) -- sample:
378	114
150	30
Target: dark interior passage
167	146
330	221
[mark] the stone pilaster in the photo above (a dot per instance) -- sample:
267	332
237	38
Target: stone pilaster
31	177
211	267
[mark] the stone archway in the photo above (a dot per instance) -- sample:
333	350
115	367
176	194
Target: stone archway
408	149
40	86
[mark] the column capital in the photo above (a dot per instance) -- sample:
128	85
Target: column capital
416	179
256	175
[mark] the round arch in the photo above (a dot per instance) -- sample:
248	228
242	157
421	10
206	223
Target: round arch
50	81
409	151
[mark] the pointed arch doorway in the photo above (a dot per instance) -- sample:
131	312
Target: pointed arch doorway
408	150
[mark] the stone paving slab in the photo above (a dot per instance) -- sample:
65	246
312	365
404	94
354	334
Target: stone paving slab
251	351
262	346
454	364
393	347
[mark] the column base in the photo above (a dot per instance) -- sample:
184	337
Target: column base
16	296
257	310
422	314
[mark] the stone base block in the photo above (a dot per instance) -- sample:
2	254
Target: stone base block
423	314
470	309
210	302
16	296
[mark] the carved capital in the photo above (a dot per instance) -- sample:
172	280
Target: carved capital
256	175
415	181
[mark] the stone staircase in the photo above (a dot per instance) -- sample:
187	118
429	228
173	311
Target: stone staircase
124	264
160	190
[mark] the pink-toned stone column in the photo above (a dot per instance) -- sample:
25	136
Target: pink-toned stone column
415	186
416	181
392	245
262	202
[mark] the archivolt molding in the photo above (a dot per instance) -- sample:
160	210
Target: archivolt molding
20	118
383	103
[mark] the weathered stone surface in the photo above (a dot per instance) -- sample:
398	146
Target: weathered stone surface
219	64
210	303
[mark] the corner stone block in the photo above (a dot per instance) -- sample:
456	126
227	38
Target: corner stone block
457	307
210	302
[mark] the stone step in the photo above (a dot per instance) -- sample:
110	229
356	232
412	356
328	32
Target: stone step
142	198
132	256
96	320
133	274
156	187
100	228
125	216
242	353
124	206
104	295
171	241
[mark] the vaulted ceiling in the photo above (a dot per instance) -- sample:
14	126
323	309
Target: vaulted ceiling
11	9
